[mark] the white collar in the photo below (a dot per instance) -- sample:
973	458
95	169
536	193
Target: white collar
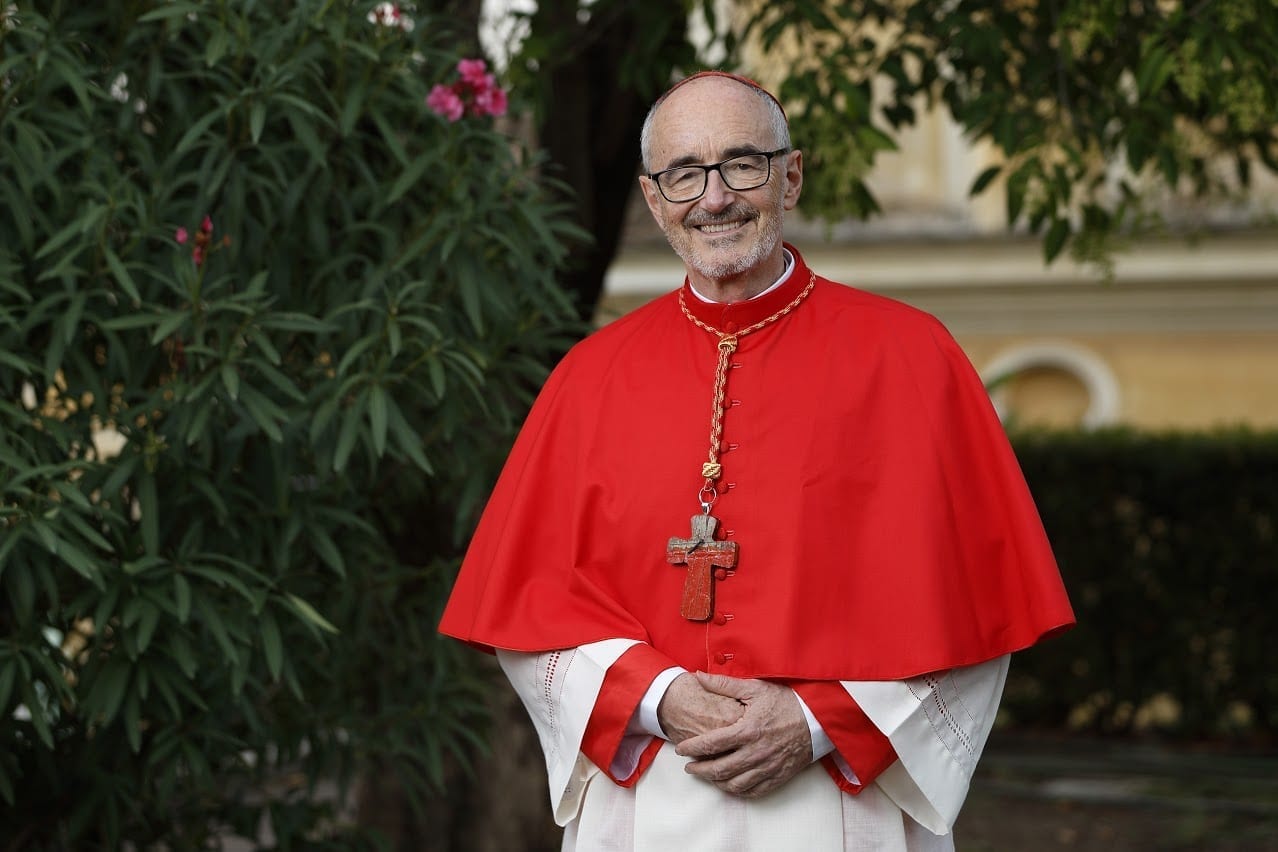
785	276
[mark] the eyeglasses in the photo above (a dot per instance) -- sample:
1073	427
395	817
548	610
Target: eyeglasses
688	183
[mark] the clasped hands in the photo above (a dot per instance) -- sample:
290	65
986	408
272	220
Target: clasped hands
747	737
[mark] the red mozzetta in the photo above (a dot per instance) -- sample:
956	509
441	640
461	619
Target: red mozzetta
883	526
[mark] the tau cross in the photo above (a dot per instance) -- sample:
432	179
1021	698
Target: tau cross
701	554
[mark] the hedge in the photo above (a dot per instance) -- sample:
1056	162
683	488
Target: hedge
1167	545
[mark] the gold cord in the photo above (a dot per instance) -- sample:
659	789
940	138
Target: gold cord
712	469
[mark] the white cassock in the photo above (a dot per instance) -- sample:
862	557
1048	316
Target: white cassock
937	725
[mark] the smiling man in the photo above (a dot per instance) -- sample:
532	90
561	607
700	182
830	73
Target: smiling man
760	553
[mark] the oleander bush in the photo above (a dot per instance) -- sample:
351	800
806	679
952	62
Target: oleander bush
1168	544
268	320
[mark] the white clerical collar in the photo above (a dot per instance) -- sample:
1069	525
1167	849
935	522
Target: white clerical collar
785	276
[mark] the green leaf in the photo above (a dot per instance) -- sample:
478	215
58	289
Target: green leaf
127	321
1057	234
409	441
149	617
409	178
294	321
15	362
150	508
133	721
171	10
272	644
279	380
265	413
107	692
182	597
377	405
356	349
231	380
257	119
121	275
180	648
469	286
213	622
86	220
47	536
346	438
80	562
195	131
438	381
309	614
983	180
169	324
1155	66
327	550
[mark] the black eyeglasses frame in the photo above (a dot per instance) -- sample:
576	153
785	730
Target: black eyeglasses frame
716	167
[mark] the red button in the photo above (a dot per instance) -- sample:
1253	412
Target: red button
720	574
720	618
721	658
730	327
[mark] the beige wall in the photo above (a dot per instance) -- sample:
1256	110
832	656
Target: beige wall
1184	380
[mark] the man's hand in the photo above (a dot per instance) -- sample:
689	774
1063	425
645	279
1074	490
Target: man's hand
765	748
688	709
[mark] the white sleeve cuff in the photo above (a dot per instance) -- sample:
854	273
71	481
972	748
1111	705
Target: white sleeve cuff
821	744
645	721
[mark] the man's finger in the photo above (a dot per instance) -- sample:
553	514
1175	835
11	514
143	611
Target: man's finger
733	687
711	743
720	768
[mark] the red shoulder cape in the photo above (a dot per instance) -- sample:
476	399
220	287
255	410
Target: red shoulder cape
885	529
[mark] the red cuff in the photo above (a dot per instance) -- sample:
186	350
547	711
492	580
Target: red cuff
623	688
861	745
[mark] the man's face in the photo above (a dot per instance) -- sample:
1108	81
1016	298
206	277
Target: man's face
726	234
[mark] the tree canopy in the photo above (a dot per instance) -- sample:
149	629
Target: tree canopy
1099	111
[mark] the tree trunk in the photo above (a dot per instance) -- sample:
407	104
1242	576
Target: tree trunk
590	125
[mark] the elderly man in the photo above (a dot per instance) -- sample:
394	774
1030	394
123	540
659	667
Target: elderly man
815	661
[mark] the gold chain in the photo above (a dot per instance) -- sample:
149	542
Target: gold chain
712	469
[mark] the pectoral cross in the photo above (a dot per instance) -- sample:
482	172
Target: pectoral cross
702	554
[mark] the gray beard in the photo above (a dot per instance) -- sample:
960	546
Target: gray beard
731	268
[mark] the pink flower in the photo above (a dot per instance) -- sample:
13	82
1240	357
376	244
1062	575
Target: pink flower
442	100
203	240
491	101
473	71
475	93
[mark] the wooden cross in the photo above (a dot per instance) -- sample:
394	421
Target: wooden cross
702	554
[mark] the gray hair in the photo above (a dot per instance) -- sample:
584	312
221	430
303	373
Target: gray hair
776	120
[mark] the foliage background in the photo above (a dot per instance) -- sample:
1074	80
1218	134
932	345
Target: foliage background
1168	544
1099	111
232	493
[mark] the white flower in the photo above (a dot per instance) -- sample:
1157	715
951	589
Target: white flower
108	443
390	15
9	17
120	88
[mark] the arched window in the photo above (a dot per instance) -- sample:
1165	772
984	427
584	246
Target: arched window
1086	367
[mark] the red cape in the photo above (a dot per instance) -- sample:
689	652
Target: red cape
885	529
